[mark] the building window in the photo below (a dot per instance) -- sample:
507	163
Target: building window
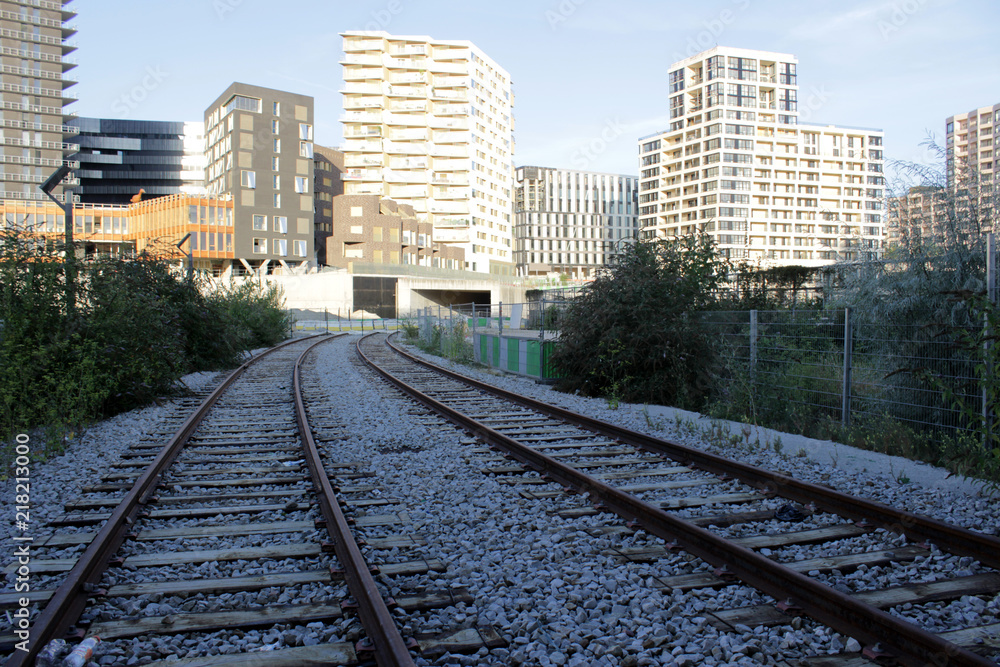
276	108
277	145
302	184
305	149
259	246
280	224
242	103
276	181
260	223
274	126
305	131
281	247
248	179
299	248
274	164
277	200
356	211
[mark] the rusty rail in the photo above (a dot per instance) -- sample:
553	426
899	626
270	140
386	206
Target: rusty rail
390	648
907	643
70	599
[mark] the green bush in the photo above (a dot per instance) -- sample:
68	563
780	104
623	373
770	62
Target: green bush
133	329
632	336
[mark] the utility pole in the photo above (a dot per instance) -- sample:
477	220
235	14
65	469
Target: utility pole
67	207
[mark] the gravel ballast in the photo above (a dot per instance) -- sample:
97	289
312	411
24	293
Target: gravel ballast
550	586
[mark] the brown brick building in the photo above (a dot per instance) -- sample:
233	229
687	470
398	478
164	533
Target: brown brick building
369	229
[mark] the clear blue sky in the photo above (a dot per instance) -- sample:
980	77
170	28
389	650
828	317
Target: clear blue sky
583	70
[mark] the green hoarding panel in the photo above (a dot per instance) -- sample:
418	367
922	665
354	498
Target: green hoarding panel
483	358
513	354
547	369
496	350
534	359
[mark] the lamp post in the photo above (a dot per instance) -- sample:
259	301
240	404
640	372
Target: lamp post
67	207
190	256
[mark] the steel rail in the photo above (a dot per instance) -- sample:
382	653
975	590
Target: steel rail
390	648
950	538
906	643
70	599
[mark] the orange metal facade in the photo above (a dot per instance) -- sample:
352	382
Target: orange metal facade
154	225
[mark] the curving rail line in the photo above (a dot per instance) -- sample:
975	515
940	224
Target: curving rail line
883	633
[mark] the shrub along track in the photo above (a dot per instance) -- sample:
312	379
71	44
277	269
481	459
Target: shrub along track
224	516
637	477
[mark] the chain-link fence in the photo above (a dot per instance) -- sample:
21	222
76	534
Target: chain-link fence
797	366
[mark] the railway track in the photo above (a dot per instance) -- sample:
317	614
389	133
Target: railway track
242	525
675	493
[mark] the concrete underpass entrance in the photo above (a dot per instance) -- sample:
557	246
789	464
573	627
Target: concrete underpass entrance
421	298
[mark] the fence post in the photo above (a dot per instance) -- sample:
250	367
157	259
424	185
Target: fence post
753	347
326	319
991	294
500	318
845	409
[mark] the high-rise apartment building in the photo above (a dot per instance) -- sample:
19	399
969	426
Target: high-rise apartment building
259	151
736	163
36	138
118	158
429	123
971	149
571	222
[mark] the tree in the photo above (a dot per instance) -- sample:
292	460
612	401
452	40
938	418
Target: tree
634	333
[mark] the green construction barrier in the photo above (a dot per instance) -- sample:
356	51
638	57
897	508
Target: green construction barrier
513	354
534	358
496	350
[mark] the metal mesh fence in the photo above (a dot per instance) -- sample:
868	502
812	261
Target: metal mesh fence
813	364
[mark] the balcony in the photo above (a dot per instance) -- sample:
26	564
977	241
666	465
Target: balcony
406	91
354	88
445	165
408	134
361	160
408	105
404	63
451	81
362	175
449	151
406	177
362	146
371	60
362	74
449	208
445	94
448	123
407	191
457	137
362	103
439	67
362	132
451	193
408	77
451	109
405	148
449	179
411	120
362	117
408	162
408	50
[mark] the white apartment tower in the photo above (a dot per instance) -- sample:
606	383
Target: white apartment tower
737	164
972	140
429	123
571	222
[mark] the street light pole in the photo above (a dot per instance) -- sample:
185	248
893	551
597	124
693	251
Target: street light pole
190	257
67	207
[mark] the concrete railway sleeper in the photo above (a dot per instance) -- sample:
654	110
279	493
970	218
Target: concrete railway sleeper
663	487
